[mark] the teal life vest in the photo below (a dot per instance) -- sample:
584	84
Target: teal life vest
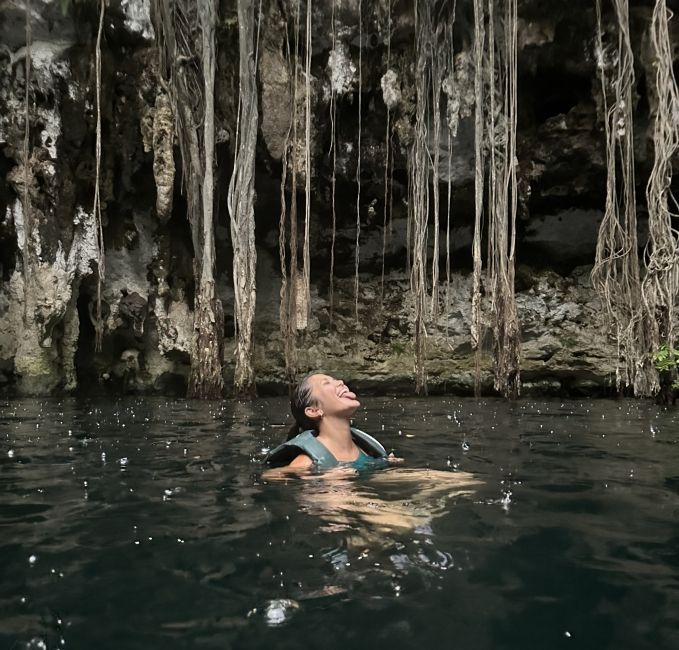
372	453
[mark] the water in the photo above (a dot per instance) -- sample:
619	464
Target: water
147	524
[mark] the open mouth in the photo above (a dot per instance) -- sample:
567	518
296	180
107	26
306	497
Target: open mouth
345	393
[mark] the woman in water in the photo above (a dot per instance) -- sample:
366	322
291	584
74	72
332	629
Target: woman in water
322	435
322	407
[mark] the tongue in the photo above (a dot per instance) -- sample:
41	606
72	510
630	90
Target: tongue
349	395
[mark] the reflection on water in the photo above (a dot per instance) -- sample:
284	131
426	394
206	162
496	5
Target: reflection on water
373	505
148	524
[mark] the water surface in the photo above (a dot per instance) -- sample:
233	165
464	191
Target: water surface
144	524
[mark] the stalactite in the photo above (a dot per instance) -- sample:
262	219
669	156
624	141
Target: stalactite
241	199
358	152
479	164
616	275
96	208
661	282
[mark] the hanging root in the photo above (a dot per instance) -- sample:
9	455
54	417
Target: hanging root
419	172
503	202
661	282
437	68
294	288
306	263
96	209
387	142
333	147
616	275
241	201
451	65
185	31
286	319
358	162
479	164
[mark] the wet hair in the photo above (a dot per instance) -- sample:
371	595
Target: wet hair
301	399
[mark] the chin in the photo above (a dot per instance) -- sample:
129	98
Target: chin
351	409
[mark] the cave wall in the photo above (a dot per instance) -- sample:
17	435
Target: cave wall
47	329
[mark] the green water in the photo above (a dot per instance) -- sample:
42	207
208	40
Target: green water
147	524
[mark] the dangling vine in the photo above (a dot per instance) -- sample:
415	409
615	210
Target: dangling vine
293	293
27	259
437	68
502	201
241	197
185	33
387	142
306	264
358	152
419	172
96	209
451	67
479	164
333	181
616	275
287	326
661	282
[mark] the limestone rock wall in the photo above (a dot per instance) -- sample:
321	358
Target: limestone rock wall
47	322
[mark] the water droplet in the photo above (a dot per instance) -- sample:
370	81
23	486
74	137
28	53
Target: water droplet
280	610
32	559
10	453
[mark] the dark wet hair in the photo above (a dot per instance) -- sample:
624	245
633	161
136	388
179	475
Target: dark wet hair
301	398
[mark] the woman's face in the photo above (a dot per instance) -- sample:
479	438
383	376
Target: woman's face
332	396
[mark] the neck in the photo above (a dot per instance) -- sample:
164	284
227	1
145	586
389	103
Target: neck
335	434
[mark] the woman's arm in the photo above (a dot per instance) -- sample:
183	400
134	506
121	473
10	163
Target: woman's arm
298	465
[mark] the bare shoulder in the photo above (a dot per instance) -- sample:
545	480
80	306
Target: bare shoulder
301	461
297	467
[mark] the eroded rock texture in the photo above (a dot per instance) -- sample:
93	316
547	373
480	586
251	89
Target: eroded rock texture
47	302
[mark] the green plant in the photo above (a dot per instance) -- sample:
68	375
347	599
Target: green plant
397	348
666	359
